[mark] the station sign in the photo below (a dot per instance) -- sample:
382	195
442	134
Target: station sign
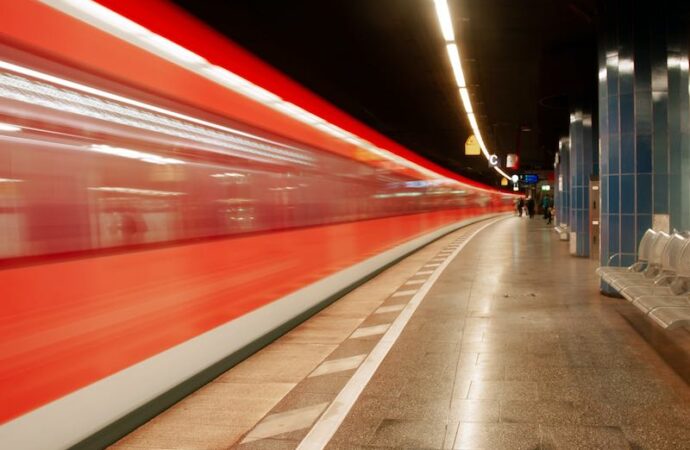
472	146
529	178
512	161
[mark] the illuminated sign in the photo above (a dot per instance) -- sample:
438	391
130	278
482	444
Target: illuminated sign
493	160
529	178
512	161
472	146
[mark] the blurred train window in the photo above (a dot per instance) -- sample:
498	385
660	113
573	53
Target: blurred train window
80	172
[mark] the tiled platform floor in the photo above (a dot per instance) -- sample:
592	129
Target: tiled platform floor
512	348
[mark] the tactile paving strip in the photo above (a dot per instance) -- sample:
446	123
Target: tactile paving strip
292	418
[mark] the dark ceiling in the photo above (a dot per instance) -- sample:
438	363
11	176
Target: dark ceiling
527	63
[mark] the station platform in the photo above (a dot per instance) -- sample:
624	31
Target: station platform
490	337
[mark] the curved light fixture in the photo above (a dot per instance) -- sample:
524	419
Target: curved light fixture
446	24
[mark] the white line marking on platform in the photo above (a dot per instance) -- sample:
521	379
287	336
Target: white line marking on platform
329	422
415	282
285	422
433	265
403	293
370	331
425	272
338	365
389	309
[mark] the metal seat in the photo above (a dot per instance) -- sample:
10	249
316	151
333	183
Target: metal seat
648	265
648	303
658	282
671	317
642	257
666	262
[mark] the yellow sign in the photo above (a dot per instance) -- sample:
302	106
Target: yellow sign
472	146
504	182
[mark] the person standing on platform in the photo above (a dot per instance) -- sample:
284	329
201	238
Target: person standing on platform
520	206
530	206
545	205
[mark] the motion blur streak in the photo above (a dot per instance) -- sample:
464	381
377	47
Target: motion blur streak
142	206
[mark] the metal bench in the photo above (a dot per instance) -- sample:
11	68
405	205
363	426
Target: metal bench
671	310
615	276
658	282
664	259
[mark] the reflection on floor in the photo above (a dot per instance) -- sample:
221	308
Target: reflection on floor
513	347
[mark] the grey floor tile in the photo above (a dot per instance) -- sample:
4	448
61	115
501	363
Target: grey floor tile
397	433
570	437
462	410
475	435
658	437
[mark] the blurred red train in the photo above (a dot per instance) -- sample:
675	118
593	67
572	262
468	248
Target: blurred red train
155	224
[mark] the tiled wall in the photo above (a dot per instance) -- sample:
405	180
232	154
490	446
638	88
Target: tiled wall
563	183
582	168
643	126
625	133
678	126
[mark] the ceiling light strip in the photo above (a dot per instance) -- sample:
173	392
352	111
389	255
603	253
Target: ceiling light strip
446	23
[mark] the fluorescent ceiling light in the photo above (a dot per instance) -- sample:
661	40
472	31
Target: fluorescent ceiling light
9	128
444	20
673	62
626	65
454	57
446	23
465	95
499	170
473	123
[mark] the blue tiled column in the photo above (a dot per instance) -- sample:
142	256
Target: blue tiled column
563	183
678	126
556	188
643	127
582	167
